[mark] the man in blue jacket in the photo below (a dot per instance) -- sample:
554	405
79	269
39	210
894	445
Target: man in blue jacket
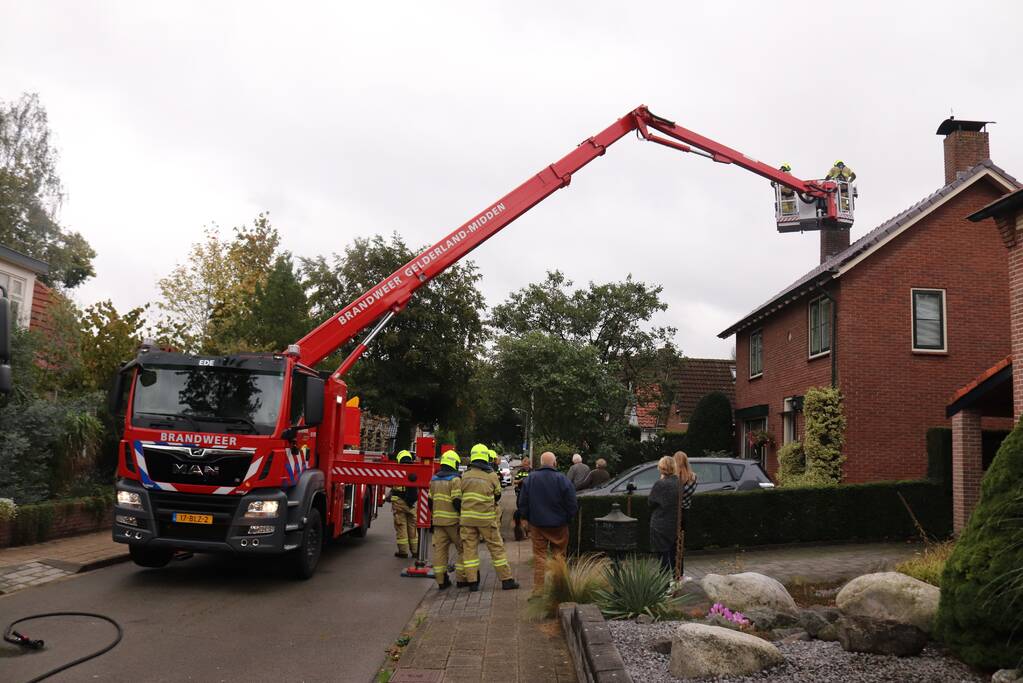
547	501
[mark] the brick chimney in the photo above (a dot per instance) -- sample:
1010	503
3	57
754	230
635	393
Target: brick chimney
966	145
833	240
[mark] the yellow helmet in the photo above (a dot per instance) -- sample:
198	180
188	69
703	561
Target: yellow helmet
479	452
451	459
839	163
404	456
785	167
493	454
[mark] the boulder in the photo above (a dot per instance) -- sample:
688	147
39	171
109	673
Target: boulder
720	621
764	619
814	619
692	598
828	633
891	596
863	634
644	619
747	591
1007	676
784	634
699	651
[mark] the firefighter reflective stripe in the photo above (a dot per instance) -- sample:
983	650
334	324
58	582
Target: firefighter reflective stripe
478	490
471	537
405	534
483	498
443	493
444	538
483	516
501	563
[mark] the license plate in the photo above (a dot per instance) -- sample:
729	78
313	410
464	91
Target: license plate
192	518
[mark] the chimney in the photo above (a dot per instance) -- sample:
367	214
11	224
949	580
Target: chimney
833	240
966	145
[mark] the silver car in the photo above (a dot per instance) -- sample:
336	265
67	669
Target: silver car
712	474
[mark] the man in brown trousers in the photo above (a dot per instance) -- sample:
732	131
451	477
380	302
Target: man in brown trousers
547	501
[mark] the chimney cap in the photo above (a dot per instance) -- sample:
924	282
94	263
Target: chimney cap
952	124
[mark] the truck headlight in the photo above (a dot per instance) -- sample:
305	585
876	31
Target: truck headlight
129	499
262	509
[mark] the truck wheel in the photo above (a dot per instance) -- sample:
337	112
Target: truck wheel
367	511
305	558
150	557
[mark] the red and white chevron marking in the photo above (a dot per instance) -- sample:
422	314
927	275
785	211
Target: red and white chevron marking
423	507
365	471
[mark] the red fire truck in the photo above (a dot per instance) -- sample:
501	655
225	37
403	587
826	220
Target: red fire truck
259	453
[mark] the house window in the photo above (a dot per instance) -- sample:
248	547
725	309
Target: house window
15	287
929	320
820	326
788	421
756	354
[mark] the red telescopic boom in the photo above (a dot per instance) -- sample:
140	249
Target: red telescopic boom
380	303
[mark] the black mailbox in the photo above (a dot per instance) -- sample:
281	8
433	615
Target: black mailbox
615	532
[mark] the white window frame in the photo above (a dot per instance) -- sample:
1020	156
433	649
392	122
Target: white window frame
788	422
23	312
756	333
809	328
944	320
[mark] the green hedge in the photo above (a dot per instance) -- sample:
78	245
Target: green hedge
32	523
844	512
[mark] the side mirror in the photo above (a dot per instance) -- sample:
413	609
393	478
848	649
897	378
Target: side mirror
630	488
6	383
5	329
314	388
116	394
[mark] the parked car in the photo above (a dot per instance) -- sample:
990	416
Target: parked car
504	469
712	474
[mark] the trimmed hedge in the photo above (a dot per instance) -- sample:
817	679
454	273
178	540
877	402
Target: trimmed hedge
34	523
843	512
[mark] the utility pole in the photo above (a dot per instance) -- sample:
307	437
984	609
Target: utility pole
531	463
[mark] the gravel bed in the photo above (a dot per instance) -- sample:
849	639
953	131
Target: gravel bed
815	661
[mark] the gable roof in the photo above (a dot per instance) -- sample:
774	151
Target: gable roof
693	379
848	258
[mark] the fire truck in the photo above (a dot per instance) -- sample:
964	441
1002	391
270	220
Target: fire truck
258	454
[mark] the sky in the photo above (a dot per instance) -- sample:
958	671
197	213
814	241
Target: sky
351	119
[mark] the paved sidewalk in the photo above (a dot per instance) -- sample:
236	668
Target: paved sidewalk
805	564
485	636
31	565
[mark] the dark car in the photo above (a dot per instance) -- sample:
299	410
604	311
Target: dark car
712	474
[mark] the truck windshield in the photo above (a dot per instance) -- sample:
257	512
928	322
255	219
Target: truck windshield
208	399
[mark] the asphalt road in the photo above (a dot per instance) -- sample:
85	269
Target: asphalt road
213	618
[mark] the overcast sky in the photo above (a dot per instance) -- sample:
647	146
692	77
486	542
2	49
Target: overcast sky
349	119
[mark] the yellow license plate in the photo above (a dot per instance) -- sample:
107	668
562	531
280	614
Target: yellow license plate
191	518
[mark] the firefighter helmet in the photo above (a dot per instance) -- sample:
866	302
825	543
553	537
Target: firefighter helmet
840	163
479	452
785	167
451	459
404	456
493	454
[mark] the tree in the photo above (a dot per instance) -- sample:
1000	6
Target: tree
109	339
419	367
710	426
208	299
279	310
31	194
610	317
825	435
979	615
574	397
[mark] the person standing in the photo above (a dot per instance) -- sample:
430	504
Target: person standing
481	491
495	462
445	505
403	504
597	477
667	512
578	472
547	501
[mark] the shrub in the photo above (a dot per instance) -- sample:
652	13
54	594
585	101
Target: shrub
979	616
575	581
837	512
710	426
637	585
825	434
8	509
928	564
791	463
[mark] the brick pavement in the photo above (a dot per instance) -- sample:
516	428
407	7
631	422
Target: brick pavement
31	565
485	636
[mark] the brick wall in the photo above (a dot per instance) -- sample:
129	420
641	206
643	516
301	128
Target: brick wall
68	520
967	468
964	149
892	395
1015	255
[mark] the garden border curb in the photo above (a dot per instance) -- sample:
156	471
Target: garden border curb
594	653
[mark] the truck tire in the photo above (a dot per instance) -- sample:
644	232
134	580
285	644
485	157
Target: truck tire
305	558
150	557
367	511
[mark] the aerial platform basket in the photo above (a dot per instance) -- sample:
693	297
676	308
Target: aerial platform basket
796	212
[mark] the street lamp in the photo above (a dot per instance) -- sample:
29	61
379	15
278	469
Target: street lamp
528	435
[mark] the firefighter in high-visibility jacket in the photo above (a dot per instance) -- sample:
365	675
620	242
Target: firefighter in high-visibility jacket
445	506
481	490
403	505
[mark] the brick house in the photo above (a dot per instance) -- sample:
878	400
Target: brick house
30	298
693	379
898	320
